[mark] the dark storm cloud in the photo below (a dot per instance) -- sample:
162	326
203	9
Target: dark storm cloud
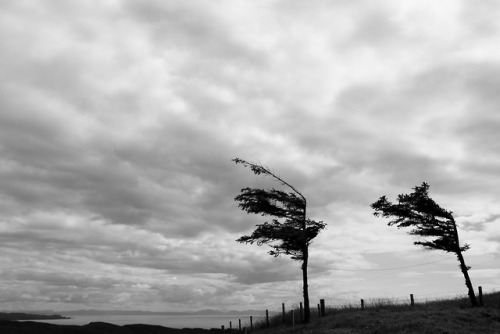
44	164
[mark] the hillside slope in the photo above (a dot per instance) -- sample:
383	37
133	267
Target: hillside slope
443	318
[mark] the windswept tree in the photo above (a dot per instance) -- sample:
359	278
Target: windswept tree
290	232
427	219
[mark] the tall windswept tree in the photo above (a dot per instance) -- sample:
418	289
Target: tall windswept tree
290	232
427	219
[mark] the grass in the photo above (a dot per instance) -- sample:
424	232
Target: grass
382	316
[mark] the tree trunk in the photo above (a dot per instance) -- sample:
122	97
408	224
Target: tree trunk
468	283
307	310
463	267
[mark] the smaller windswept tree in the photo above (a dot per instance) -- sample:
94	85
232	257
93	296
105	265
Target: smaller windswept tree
290	232
427	219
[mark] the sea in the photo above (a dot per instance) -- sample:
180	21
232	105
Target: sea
177	321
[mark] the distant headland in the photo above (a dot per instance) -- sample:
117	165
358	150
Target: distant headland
33	327
29	316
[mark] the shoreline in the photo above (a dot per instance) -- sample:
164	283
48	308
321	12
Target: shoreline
14	316
190	321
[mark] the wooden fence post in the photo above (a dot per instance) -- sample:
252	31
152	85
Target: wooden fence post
362	304
319	311
239	326
245	330
283	308
323	311
481	296
230	326
293	318
267	318
412	301
251	323
301	315
222	329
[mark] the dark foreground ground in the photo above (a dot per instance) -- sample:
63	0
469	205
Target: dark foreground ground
396	321
32	327
453	316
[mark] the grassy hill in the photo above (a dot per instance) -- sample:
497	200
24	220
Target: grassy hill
442	317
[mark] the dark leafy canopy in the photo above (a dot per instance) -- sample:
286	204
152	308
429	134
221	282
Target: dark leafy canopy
271	203
290	232
285	237
427	218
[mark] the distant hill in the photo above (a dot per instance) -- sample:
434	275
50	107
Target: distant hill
30	327
29	316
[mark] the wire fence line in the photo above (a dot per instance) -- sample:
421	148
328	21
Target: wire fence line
339	301
292	314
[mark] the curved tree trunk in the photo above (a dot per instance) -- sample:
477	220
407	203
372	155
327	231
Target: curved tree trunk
468	283
463	267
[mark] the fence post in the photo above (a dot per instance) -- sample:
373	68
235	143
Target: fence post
239	324
230	326
481	296
319	312
251	323
283	308
301	315
293	318
412	301
267	318
222	329
323	311
362	304
245	330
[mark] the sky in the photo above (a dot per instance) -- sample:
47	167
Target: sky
119	120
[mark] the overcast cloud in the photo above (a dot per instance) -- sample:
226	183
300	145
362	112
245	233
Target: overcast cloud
119	120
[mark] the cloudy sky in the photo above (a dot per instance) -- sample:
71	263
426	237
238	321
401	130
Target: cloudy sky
119	120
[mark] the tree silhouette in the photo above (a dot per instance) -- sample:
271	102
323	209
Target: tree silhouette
290	232
418	211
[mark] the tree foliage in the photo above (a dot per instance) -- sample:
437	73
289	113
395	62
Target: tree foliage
284	238
290	232
429	220
426	218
